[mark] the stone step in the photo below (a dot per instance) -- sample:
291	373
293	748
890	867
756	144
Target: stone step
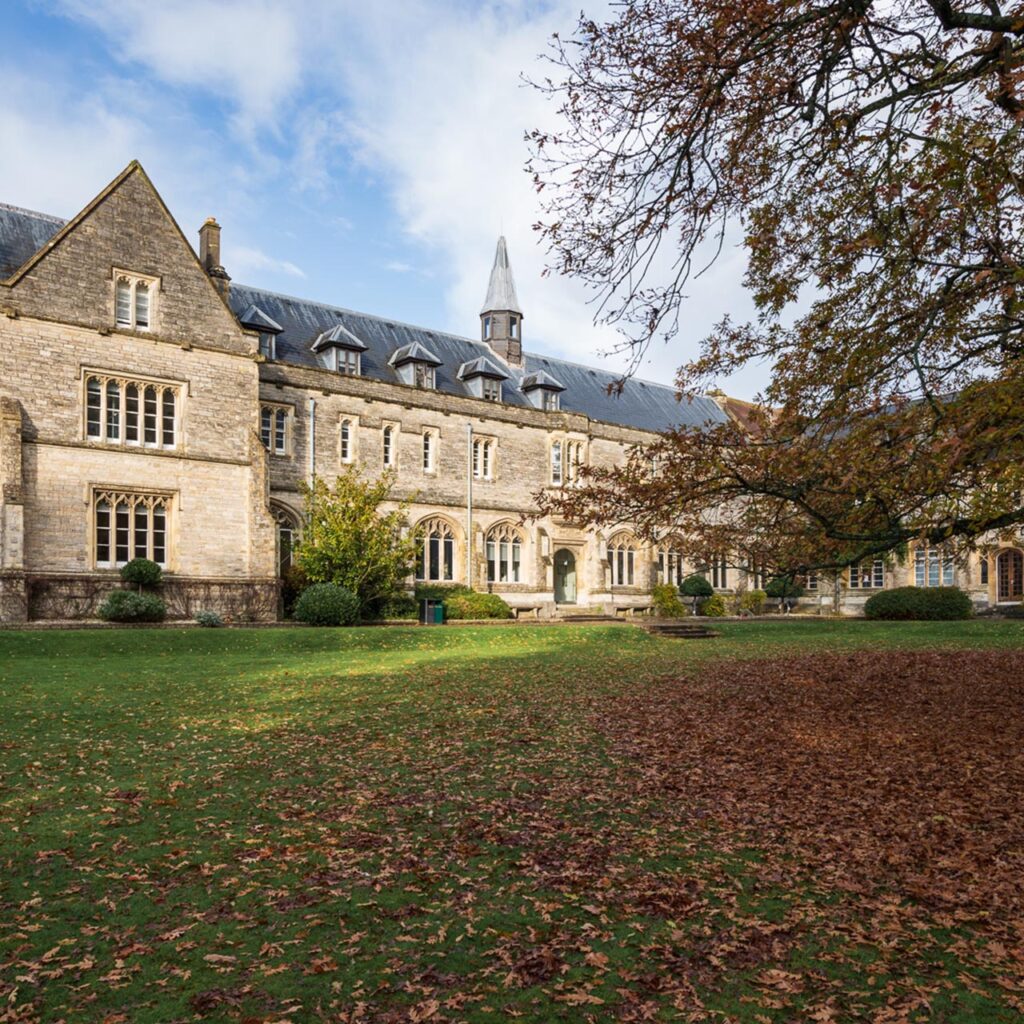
681	631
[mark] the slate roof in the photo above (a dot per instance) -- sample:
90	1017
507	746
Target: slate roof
641	404
417	352
255	318
481	367
540	379
22	234
340	337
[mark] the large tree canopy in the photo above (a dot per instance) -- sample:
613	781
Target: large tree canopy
870	154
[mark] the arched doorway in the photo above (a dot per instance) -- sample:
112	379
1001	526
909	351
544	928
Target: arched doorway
565	577
287	534
1010	576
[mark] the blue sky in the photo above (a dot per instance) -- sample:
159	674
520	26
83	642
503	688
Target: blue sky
366	154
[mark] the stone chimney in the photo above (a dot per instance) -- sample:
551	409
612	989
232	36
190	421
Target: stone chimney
209	256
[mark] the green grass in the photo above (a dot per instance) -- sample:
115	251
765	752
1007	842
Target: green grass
289	825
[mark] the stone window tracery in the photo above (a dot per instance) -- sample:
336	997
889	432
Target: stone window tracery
130	525
435	560
123	411
504	554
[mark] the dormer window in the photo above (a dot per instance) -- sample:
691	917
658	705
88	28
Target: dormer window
348	362
425	376
542	390
416	365
133	301
483	378
266	328
550	401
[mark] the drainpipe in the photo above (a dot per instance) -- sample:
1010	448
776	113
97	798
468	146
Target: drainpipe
312	441
469	505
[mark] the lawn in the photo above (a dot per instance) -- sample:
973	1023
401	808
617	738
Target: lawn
801	821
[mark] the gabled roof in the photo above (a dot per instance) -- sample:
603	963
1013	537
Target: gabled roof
540	379
588	390
501	292
339	336
22	234
414	353
481	367
255	318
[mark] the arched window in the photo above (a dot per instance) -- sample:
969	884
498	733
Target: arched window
287	535
483	449
504	554
129	526
556	463
671	567
622	560
346	440
429	450
435	560
390	455
123	307
141	305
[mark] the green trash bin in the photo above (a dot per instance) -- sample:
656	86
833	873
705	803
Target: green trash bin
432	612
439	613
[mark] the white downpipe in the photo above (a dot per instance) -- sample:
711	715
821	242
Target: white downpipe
312	441
469	505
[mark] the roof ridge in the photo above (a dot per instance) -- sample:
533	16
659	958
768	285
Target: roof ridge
33	213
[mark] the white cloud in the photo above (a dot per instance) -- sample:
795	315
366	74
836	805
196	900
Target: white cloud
245	51
445	124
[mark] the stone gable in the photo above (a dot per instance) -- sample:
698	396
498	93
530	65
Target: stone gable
127	227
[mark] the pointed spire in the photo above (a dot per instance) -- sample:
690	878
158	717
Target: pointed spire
501	292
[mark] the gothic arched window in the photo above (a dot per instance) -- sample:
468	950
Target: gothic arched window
622	560
435	561
504	554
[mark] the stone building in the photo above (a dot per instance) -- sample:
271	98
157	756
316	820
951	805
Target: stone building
150	406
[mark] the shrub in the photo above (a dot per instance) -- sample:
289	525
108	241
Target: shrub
399	606
695	587
752	601
142	572
666	601
209	619
713	606
471	605
1013	611
440	591
128	606
292	586
919	603
326	604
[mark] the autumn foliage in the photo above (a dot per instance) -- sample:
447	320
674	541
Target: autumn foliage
869	157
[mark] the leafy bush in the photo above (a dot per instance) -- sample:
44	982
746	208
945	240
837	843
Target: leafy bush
1013	611
142	572
752	601
399	606
471	605
666	601
128	606
292	586
713	607
327	604
440	591
919	603
209	619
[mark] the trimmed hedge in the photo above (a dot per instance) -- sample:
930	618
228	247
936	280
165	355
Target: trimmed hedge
752	601
128	606
325	604
439	591
472	605
905	603
666	601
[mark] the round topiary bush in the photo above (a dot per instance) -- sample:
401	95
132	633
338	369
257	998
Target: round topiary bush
142	572
695	587
476	606
128	606
325	604
902	603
